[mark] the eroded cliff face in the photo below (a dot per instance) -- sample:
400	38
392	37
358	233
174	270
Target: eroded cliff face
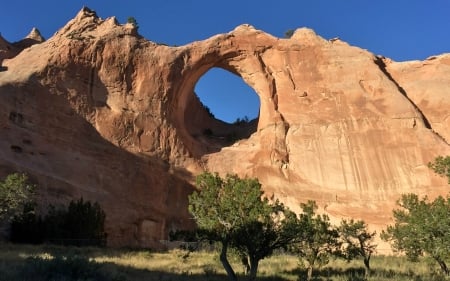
100	112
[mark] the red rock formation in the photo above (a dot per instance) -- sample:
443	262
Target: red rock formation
100	112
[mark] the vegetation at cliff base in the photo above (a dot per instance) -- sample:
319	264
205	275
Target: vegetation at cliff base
441	166
47	262
422	228
80	223
15	193
242	234
235	213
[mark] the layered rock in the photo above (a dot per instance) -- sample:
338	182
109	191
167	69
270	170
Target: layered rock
100	112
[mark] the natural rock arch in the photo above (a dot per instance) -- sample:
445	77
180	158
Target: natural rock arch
210	134
236	55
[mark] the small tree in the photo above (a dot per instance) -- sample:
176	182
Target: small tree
288	33
357	241
234	212
318	239
15	193
274	228
441	166
421	228
80	224
133	21
27	227
85	222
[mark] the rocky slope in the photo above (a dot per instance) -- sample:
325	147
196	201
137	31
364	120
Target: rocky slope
100	112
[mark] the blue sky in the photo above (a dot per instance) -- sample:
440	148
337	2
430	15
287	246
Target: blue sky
399	29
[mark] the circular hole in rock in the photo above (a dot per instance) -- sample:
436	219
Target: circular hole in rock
227	96
224	109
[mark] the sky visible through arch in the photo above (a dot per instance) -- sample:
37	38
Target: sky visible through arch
398	29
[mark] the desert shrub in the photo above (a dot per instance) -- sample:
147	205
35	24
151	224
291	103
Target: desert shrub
81	224
241	121
133	21
27	227
288	33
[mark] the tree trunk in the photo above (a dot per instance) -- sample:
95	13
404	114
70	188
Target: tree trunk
310	271
253	268
244	261
224	260
443	266
367	265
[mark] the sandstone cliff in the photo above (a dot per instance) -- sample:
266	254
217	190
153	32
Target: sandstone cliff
100	112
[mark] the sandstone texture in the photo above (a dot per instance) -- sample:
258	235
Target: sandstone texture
98	111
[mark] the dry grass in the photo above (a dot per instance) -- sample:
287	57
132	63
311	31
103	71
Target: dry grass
19	262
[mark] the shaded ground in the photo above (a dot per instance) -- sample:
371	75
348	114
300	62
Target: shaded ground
42	263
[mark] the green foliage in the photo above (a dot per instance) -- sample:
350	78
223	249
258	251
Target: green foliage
357	241
241	121
234	212
27	227
289	33
15	193
85	220
81	224
317	238
273	228
441	166
422	228
133	21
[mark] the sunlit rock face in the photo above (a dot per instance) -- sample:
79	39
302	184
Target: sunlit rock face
100	112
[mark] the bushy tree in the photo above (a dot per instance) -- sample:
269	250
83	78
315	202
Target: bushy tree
27	227
15	193
273	229
133	21
288	33
317	239
80	224
421	228
441	166
85	221
234	212
357	241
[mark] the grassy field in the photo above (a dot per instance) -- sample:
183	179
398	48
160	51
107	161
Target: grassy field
24	262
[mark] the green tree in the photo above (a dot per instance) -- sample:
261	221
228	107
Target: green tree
317	238
441	166
15	193
274	228
85	222
27	227
133	21
234	212
421	228
81	224
288	33
357	241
